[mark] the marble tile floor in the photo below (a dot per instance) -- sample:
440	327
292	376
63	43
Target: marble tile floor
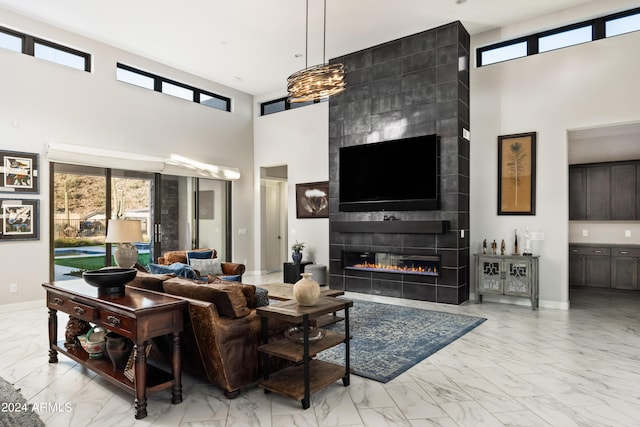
579	367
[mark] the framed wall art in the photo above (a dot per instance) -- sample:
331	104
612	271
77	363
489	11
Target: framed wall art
517	174
312	200
20	219
18	172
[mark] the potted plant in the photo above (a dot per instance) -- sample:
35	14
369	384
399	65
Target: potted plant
297	248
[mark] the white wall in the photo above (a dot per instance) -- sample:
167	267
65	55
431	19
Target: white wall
50	102
589	85
297	138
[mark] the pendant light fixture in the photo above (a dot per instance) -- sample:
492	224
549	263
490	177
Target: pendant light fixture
318	81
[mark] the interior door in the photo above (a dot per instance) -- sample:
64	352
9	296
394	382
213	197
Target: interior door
274	239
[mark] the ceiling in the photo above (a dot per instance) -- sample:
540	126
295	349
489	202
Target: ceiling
251	45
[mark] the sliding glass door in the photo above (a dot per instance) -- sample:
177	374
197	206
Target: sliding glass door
176	213
193	213
83	200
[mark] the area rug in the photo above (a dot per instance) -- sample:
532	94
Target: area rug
389	339
14	410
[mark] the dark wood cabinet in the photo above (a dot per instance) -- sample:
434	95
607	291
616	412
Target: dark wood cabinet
577	193
613	266
589	192
604	191
624	268
598	271
590	266
624	192
576	268
598	193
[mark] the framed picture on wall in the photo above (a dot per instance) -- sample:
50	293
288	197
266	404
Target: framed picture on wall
18	172
312	200
20	219
517	174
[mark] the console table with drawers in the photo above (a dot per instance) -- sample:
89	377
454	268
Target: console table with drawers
137	315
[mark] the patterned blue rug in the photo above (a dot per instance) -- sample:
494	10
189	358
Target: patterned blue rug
389	339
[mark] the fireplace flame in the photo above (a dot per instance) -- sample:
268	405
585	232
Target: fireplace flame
399	268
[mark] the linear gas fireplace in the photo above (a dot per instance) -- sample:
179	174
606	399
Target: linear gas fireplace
384	262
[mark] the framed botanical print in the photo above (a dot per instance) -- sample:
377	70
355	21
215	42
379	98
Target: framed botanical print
20	219
312	200
517	174
18	172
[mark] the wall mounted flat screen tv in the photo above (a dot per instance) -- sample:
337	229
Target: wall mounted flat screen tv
397	175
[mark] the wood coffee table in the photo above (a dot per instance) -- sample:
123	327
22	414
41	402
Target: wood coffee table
284	291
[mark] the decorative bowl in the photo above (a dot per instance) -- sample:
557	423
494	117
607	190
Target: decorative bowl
296	334
94	342
110	280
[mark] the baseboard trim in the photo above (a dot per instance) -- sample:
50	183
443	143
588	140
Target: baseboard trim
556	305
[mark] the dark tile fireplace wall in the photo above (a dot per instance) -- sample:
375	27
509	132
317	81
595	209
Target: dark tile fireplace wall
413	86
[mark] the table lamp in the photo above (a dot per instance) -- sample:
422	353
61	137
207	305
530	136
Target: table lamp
124	232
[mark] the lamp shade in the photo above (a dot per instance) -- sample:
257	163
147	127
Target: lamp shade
124	231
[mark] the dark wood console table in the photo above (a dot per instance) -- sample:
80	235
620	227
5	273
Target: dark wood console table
137	315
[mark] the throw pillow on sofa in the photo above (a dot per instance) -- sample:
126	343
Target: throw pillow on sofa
231	278
177	268
262	297
191	255
207	267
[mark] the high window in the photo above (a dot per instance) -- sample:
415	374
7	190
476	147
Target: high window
565	38
136	77
570	35
622	25
283	104
44	49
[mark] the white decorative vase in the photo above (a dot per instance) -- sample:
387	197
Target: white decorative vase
306	291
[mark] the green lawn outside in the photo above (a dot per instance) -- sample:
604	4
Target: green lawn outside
93	262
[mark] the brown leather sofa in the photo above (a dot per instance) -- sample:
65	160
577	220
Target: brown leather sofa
228	268
222	330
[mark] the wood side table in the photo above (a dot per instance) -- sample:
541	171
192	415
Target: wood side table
306	375
137	315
